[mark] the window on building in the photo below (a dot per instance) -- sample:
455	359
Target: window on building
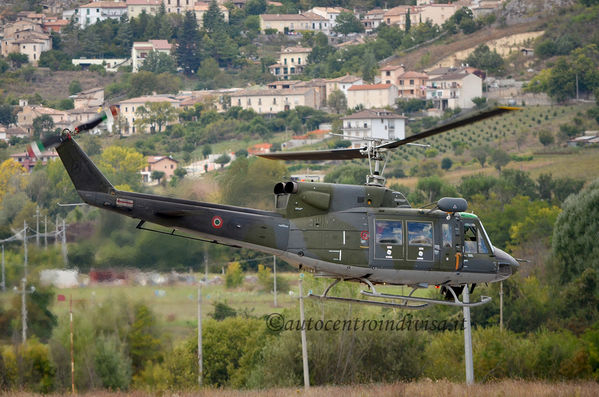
400	82
259	101
388	73
411	82
274	101
365	125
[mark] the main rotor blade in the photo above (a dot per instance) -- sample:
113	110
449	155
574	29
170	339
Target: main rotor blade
332	154
460	122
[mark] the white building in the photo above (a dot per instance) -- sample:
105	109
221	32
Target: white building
141	49
453	90
273	101
371	95
136	7
128	110
89	14
342	84
380	124
330	14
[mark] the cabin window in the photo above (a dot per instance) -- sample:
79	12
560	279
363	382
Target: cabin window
483	248
389	232
420	233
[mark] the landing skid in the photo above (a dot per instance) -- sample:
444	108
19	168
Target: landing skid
407	301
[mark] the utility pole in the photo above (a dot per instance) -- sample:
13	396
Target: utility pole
56	232
501	306
45	232
200	356
72	353
3	275
303	334
25	253
64	244
23	291
37	226
468	338
206	262
274	271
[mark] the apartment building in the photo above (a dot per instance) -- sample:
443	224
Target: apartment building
379	124
371	95
269	101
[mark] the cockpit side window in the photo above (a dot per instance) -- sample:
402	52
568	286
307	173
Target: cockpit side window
482	244
470	238
447	235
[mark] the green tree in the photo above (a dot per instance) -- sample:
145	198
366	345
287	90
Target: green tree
499	158
158	62
17	59
480	102
480	153
369	66
408	21
206	150
111	363
446	163
157	175
575	233
213	19
337	101
483	58
188	46
74	87
255	7
546	137
7	115
156	115
143	338
223	159
42	125
348	23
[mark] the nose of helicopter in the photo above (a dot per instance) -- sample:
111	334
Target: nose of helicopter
503	258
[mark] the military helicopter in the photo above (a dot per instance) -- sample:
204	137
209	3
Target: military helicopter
368	234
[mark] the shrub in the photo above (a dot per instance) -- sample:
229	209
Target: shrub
234	275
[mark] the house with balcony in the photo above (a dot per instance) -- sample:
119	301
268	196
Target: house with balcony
379	124
96	11
292	61
454	90
412	85
373	19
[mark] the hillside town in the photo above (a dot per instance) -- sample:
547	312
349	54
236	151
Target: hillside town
444	88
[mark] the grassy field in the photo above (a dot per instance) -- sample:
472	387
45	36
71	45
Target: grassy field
424	388
176	306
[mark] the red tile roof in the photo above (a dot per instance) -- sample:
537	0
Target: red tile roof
364	87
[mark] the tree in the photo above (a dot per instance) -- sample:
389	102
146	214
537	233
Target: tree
348	23
56	60
7	116
483	58
337	101
74	87
480	102
408	21
575	233
255	7
121	165
188	46
222	160
213	19
157	176
156	115
446	163
546	137
143	338
159	62
369	66
480	153
206	151
234	275
42	125
499	158
17	59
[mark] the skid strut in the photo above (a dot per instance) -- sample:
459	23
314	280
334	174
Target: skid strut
405	299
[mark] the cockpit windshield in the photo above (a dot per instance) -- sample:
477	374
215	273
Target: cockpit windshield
475	238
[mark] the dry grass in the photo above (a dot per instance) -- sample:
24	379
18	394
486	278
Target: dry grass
425	388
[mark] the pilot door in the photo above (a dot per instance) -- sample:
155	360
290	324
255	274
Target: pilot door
452	240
